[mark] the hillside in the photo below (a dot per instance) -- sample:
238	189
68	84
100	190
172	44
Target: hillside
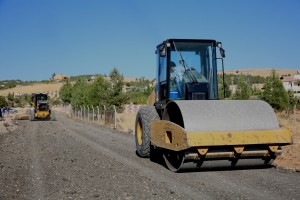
53	88
50	88
264	72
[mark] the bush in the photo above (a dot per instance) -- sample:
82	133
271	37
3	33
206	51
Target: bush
243	90
274	93
3	102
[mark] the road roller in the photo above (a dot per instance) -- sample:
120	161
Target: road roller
191	127
40	109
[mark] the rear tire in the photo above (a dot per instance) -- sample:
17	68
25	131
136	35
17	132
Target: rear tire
143	130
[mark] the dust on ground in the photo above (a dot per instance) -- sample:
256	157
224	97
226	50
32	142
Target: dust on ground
126	122
290	158
9	121
8	124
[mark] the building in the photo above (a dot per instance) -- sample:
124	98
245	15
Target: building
60	78
291	83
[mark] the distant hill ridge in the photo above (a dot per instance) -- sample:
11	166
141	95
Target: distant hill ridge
53	88
264	72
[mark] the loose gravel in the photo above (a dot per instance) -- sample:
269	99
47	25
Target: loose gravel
67	159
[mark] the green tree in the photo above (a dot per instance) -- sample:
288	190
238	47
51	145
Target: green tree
117	97
55	102
98	93
274	93
140	96
24	99
11	96
293	101
17	102
53	75
3	102
137	97
65	92
243	90
227	90
79	92
11	84
256	91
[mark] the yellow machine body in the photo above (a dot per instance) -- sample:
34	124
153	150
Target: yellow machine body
42	114
168	135
40	105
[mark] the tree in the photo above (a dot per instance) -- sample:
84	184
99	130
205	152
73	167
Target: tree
140	97
65	92
79	92
53	75
55	102
221	90
11	96
274	93
3	102
293	101
243	90
11	84
117	97
25	99
137	97
98	92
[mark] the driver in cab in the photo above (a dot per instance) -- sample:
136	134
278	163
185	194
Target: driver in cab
176	80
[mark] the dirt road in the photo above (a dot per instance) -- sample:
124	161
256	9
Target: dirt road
67	159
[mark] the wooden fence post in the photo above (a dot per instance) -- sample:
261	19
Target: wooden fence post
83	112
115	117
98	115
93	114
88	115
104	115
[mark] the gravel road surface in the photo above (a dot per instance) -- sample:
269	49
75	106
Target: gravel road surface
68	159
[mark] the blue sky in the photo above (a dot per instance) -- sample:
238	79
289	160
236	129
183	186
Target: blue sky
73	37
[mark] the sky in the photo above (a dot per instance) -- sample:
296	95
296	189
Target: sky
74	37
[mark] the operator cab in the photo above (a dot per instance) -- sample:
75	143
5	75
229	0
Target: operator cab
194	76
40	101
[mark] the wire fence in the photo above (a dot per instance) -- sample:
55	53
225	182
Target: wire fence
96	115
103	116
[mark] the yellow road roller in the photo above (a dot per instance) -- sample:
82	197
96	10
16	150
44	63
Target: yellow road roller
40	107
188	123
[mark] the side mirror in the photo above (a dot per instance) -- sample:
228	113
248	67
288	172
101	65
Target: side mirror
162	51
222	52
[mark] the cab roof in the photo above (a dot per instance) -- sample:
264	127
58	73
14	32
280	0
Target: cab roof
188	40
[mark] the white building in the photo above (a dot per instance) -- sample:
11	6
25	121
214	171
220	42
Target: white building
292	83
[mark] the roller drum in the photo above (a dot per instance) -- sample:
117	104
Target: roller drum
225	115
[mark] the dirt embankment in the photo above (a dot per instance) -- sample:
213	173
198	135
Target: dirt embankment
290	158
